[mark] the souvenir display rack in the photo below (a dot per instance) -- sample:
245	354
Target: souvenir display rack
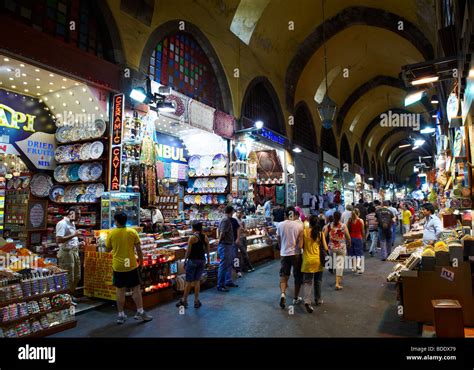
35	305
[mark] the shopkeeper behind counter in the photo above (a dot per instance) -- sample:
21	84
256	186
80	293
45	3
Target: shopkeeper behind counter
433	225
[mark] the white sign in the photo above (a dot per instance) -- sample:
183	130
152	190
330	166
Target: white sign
201	116
452	106
39	149
447	274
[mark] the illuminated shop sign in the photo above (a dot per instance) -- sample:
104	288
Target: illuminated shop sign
273	137
116	142
117	125
170	149
12	119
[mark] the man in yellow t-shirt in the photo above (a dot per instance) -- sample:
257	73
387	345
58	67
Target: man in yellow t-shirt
124	242
406	219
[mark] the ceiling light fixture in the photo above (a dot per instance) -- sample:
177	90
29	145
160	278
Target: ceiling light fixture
37	79
37	70
22	65
297	150
13	87
413	98
51	75
71	93
425	80
428	130
419	142
11	78
434	99
25	83
23	74
404	145
26	90
50	90
6	59
64	79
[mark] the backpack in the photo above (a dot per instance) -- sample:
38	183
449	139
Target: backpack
384	218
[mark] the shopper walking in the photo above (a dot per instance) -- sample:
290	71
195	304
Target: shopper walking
124	242
372	225
290	236
363	209
356	231
406	218
225	252
339	240
314	251
67	238
244	262
278	213
346	215
394	211
195	262
385	219
267	207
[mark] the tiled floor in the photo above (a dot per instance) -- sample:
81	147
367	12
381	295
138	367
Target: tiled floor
366	307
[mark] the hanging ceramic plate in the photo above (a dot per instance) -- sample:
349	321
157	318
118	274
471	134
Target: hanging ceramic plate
91	189
99	191
76	134
61	134
86	152
58	173
58	153
191	172
73	172
219	161
75	153
84	172
100	127
26	183
206	162
56	194
40	185
194	162
95	171
96	150
221	199
206	171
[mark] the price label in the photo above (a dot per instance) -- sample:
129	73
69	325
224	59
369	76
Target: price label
447	274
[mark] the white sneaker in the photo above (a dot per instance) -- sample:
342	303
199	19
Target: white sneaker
297	300
121	319
239	274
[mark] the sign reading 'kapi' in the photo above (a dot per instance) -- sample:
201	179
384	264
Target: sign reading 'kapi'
12	119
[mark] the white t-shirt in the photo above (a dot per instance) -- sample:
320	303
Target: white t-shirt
289	231
346	216
65	228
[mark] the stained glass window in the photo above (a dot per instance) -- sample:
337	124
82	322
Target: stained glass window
54	17
179	62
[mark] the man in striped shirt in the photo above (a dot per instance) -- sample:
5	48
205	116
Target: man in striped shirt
372	227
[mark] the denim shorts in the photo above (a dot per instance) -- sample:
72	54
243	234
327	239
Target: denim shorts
194	270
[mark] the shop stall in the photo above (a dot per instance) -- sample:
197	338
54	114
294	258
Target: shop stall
331	180
349	186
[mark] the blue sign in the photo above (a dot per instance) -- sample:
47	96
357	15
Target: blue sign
24	128
273	136
170	149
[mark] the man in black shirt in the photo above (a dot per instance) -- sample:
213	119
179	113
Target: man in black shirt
278	213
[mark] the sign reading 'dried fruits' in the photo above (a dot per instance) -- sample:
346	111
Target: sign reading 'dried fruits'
39	149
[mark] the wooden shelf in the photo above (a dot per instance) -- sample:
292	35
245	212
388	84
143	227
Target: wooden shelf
102	138
32	316
81	225
203	177
53	330
32	298
83	161
207	193
65	213
81	182
75	203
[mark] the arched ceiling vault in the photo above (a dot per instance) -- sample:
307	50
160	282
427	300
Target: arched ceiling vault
392	143
349	17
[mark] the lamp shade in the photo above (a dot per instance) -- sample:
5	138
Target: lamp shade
327	112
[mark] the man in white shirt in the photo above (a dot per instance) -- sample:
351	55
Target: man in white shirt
346	215
290	241
68	242
268	209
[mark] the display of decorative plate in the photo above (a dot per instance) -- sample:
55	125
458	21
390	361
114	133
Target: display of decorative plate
206	171
215	199
80	189
191	172
62	134
76	134
221	183
194	162
40	185
73	172
96	150
221	199
219	161
466	203
100	127
86	152
17	183
91	189
95	171
10	184
26	183
100	189
197	200
84	172
59	154
56	194
206	162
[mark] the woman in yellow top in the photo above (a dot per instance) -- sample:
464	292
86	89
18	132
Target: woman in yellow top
312	267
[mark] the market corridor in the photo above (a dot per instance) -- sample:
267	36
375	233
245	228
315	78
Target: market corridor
365	308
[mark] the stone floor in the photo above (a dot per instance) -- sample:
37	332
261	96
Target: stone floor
366	307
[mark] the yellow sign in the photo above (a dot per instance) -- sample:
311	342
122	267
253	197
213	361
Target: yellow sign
16	118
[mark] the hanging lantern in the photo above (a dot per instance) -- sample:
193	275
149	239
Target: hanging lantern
327	111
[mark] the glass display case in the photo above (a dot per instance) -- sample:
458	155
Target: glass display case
115	202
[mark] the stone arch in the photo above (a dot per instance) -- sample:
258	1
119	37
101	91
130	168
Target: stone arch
261	102
304	133
170	28
345	152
